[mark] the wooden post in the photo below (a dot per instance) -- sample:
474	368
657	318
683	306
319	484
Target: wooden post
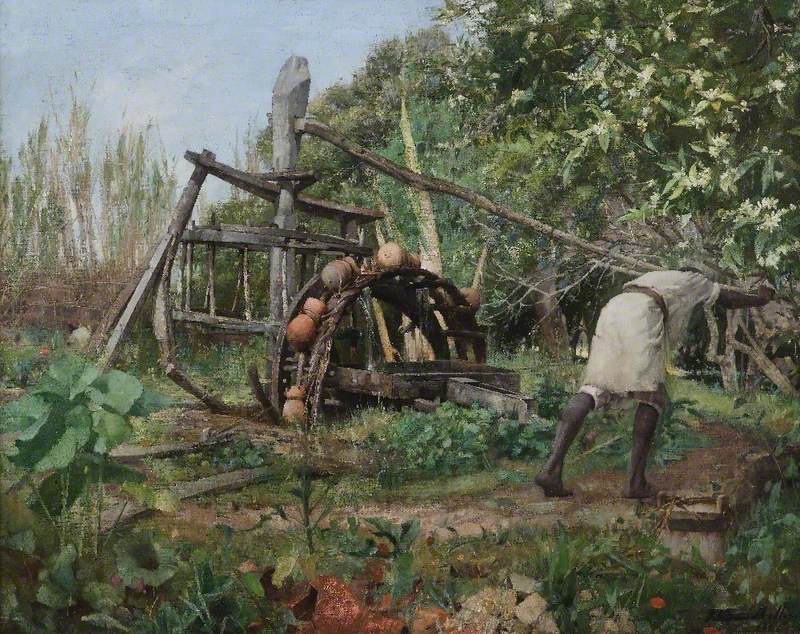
183	211
289	102
187	305
211	262
248	307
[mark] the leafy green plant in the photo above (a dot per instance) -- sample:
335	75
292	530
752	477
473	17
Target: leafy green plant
762	558
66	425
450	440
144	559
513	439
551	395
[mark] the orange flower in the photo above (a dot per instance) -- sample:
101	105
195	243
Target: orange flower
710	629
657	603
44	351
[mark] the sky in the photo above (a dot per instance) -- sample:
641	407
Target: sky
199	69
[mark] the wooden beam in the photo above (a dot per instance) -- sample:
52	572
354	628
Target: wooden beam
265	190
430	183
263	241
183	211
230	324
121	512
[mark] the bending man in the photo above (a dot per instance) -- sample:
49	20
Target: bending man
627	361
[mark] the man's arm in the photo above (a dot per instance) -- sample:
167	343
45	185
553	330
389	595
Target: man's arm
734	299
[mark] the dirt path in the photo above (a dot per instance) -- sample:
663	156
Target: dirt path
597	500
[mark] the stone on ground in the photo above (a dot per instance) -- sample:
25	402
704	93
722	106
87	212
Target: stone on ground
533	611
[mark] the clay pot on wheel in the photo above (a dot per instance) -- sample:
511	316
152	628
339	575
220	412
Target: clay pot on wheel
296	393
294	411
336	275
301	332
473	298
315	308
351	262
391	256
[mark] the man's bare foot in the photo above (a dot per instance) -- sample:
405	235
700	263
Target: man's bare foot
640	491
552	486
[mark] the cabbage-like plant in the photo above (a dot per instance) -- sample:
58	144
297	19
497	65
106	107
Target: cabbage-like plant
66	425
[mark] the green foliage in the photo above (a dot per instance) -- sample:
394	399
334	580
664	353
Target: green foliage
551	395
762	558
450	440
144	558
72	410
454	440
530	440
688	112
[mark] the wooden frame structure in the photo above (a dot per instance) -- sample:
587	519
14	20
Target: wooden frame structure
453	335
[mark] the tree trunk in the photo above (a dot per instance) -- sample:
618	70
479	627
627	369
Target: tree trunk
549	318
421	201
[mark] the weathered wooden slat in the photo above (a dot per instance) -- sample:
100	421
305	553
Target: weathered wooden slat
298	234
466	392
268	191
266	241
230	324
121	512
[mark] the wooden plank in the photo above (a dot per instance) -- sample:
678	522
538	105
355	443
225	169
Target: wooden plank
121	511
183	211
132	453
260	188
286	233
230	324
259	241
467	392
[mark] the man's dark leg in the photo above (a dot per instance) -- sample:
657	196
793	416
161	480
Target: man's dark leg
644	430
549	477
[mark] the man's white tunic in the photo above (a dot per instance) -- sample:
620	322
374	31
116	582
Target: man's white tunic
629	347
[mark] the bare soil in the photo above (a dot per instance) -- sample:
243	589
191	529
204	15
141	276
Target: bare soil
597	500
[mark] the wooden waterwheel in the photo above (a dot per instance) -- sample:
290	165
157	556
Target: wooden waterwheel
426	302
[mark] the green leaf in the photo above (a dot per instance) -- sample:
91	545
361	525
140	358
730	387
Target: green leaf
284	568
604	138
87	377
112	430
107	622
767	174
103	597
144	557
66	372
64	450
26	414
116	390
252	581
150	402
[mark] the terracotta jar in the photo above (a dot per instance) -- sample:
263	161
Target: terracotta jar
391	256
473	297
315	308
296	392
301	332
294	411
336	275
351	262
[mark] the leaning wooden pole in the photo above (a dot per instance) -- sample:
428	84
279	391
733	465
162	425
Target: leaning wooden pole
430	183
183	212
